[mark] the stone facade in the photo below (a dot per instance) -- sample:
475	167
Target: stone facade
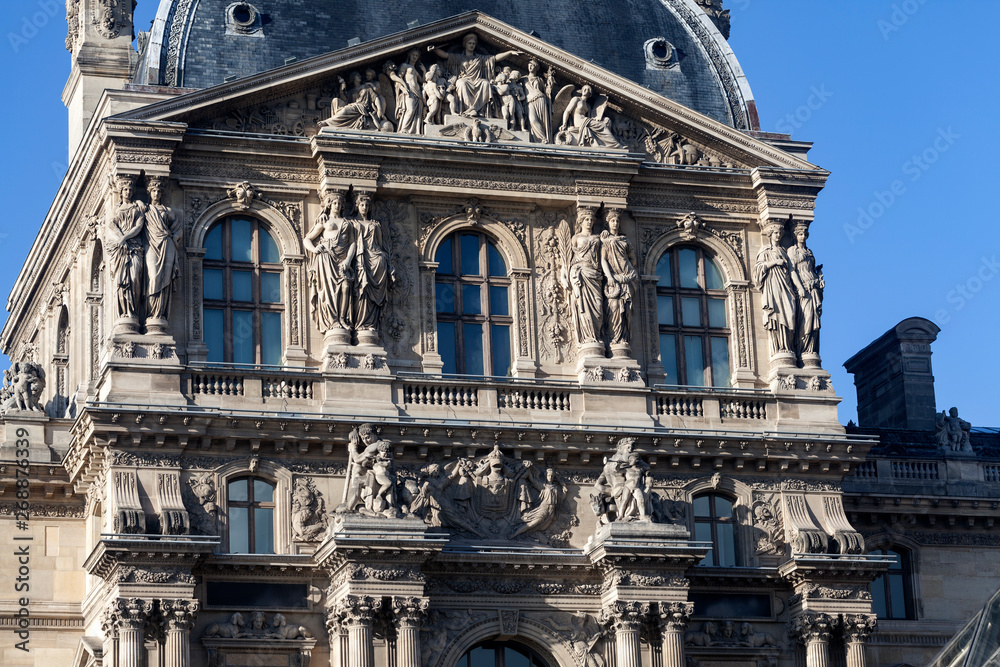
239	433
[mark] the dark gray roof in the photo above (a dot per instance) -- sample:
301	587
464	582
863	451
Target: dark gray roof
191	47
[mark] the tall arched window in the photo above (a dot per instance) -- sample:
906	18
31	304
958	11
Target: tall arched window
501	654
250	513
714	522
242	293
473	306
892	592
691	308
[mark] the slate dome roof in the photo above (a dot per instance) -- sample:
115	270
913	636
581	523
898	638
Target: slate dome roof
669	46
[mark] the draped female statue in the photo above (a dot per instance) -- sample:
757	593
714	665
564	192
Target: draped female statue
124	244
772	275
332	243
539	106
809	283
583	279
163	238
373	271
621	280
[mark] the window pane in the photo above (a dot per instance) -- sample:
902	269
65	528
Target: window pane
878	597
239	530
446	346
268	248
270	287
663	271
691	311
727	545
242	231
896	564
695	361
473	335
213	243
213	284
702	506
501	349
238	490
443	258
498	267
665	309
668	354
717	313
513	658
703	533
242	286
713	277
470	255
687	261
499	304
472	300
723	508
243	337
271	347
214	335
897	598
482	657
445	297
263	492
263	530
720	362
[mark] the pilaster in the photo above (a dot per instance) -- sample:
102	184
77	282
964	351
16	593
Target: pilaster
178	619
857	629
409	614
626	618
814	630
674	619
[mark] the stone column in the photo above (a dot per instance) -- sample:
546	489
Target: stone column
674	617
857	629
813	630
178	617
626	618
409	614
357	612
129	618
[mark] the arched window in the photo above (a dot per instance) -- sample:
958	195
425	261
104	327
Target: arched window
501	654
714	522
691	309
242	293
250	513
892	592
473	306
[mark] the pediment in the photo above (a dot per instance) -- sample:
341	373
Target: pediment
511	88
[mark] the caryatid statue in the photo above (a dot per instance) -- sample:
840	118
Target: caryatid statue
374	271
163	238
475	71
123	243
772	275
621	280
332	243
583	278
809	283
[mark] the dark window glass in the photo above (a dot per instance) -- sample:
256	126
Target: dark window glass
731	605
473	306
254	594
501	654
250	513
892	592
242	294
714	522
691	312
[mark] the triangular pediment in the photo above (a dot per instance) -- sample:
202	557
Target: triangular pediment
513	88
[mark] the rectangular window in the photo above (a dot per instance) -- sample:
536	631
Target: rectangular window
446	347
499	304
703	533
263	530
500	340
243	337
694	361
213	285
473	335
245	594
688	265
727	545
270	287
214	335
472	300
470	255
242	286
271	348
720	362
717	313
668	353
665	310
691	311
242	231
239	535
445	297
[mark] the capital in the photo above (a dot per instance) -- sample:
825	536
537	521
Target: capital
674	616
858	627
809	628
409	611
128	614
625	616
357	610
178	614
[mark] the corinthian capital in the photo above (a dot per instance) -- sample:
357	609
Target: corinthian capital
409	611
179	614
858	627
128	613
812	627
625	616
674	616
358	609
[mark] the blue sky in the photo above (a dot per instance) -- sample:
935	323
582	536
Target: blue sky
900	97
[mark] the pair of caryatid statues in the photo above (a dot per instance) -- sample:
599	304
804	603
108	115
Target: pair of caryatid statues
791	286
473	84
599	275
142	242
350	269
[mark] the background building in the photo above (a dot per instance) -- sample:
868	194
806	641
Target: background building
450	347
